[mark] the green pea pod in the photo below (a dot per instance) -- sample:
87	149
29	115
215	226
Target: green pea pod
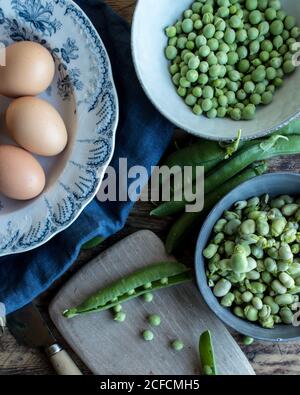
160	275
93	243
261	150
205	153
207	355
185	223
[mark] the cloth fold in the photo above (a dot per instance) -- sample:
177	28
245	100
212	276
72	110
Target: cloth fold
142	137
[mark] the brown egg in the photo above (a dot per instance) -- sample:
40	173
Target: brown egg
29	70
36	126
21	175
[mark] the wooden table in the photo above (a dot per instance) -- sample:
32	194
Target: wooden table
266	358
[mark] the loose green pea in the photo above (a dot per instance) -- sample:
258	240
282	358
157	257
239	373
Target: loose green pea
148	335
247	340
154	320
148	297
177	345
120	316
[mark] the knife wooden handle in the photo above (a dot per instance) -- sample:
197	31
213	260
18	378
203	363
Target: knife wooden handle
62	362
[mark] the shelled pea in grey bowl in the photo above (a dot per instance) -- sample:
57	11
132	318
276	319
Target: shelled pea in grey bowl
269	186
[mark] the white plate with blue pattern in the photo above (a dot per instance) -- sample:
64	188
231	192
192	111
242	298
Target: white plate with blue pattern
83	92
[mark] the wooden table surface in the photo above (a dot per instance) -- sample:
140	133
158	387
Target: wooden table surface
266	358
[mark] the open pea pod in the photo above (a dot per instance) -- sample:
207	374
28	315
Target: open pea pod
207	355
148	279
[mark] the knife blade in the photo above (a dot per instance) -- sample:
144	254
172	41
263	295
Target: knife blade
29	328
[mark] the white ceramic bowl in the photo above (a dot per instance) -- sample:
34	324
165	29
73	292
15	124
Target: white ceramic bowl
148	45
83	92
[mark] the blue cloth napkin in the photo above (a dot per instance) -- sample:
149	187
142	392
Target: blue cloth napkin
142	136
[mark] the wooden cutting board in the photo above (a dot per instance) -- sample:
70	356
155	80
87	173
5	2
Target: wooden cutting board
109	347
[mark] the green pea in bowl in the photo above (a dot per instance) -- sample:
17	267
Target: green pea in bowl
274	185
149	42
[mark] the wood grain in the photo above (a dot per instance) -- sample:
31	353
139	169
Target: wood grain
109	348
266	358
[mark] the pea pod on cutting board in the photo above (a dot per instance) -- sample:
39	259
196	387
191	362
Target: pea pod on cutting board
207	355
186	221
159	275
275	145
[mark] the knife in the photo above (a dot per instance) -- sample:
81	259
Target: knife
29	328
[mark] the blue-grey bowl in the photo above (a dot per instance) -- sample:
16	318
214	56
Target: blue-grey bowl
274	184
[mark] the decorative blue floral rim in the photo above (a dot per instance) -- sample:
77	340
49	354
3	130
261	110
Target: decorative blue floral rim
84	88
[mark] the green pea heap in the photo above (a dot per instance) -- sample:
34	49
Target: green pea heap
253	260
229	56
